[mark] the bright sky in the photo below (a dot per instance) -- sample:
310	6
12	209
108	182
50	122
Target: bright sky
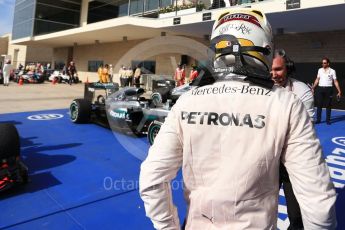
6	16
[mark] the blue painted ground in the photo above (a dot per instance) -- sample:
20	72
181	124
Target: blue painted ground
83	178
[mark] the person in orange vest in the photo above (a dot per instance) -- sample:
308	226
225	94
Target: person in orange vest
193	73
180	75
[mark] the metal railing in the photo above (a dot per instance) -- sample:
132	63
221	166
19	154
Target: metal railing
142	7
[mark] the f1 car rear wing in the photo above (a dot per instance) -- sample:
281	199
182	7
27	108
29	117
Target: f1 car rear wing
90	88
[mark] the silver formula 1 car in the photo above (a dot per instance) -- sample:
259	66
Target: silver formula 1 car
126	110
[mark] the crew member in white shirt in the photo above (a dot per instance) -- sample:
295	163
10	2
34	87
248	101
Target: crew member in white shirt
6	71
326	76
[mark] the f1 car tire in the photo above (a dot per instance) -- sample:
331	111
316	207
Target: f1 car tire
9	141
80	111
156	98
164	93
100	99
153	130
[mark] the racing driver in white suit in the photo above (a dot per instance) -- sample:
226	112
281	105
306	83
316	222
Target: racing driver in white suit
229	138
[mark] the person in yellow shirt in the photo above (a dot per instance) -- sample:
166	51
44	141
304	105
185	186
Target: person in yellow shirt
122	75
137	75
99	71
105	74
129	74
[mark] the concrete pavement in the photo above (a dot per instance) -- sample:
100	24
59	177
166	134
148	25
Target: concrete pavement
34	97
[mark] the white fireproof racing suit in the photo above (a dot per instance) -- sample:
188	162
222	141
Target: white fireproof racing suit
229	138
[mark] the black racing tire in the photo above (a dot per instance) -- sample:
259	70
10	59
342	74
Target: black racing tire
164	93
100	99
80	111
152	131
9	141
156	98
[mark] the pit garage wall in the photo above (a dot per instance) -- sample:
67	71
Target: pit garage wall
39	54
307	51
60	55
29	54
3	44
18	54
3	49
114	53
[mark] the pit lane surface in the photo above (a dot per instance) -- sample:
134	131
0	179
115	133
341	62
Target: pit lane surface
83	177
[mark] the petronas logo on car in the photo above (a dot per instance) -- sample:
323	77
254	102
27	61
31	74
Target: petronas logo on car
118	114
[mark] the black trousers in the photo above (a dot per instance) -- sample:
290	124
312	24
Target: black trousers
293	209
130	81
71	79
137	82
324	97
124	81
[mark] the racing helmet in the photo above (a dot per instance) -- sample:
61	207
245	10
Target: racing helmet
243	33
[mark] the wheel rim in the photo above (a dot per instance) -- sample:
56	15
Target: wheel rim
154	132
156	98
74	111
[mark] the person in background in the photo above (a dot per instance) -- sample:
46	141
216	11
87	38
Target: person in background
229	137
72	71
282	70
105	74
193	73
129	74
39	68
326	77
137	75
122	75
179	75
99	72
111	73
64	69
6	71
20	67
